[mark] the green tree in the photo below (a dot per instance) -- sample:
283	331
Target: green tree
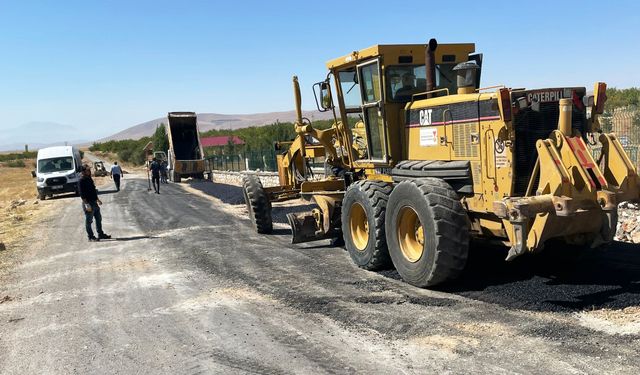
160	139
622	97
230	147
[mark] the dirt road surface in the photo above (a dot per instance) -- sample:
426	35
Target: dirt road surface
186	287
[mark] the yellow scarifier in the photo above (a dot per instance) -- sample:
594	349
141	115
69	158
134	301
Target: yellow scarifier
420	160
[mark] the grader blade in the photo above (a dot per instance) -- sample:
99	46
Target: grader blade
304	228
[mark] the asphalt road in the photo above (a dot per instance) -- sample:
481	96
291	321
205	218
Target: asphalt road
187	287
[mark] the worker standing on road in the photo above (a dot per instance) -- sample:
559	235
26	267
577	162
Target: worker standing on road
155	174
116	174
163	172
90	205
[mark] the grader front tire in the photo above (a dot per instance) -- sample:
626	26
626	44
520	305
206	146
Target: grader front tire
258	204
363	213
427	232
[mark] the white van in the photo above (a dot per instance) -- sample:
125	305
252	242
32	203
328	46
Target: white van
58	171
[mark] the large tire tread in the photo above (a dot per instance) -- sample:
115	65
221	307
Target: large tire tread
258	204
377	195
451	226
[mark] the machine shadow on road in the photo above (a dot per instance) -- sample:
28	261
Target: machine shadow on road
558	279
228	194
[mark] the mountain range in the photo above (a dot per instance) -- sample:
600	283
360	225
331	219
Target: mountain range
208	121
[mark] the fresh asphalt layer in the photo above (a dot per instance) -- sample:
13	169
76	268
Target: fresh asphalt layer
187	287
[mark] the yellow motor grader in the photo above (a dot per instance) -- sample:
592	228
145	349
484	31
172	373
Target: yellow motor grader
421	160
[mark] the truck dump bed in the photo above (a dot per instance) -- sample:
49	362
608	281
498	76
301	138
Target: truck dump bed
184	137
186	156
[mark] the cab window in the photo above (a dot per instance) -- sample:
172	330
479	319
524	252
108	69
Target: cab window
403	81
350	89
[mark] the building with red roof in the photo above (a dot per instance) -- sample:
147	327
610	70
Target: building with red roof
221	141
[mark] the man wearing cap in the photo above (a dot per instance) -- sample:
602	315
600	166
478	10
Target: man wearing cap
90	205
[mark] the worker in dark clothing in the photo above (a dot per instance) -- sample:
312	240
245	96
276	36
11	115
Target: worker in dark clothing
155	174
90	205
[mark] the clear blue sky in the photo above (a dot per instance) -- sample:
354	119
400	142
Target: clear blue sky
109	65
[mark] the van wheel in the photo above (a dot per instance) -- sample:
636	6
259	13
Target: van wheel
427	231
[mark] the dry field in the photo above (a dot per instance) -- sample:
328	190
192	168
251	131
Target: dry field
20	208
19	205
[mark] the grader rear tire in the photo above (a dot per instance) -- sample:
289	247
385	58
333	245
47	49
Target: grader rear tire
258	204
363	214
427	231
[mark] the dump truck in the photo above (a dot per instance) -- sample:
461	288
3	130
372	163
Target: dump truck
185	156
424	161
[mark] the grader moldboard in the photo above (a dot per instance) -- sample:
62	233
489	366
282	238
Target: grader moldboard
423	160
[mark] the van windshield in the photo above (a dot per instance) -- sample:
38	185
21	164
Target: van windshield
60	164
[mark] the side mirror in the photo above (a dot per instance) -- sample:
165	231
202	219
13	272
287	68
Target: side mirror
322	94
33	174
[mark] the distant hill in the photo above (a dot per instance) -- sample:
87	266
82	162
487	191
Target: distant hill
208	121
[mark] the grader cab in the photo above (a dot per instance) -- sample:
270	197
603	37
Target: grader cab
423	160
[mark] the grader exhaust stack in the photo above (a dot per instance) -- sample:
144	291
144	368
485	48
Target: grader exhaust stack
430	64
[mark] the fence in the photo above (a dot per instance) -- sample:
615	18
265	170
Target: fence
625	123
251	160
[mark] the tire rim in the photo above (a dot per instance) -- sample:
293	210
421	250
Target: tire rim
359	226
410	234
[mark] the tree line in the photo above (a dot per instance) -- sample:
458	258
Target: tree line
622	98
261	138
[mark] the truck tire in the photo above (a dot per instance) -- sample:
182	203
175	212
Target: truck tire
427	231
41	196
363	216
258	204
175	177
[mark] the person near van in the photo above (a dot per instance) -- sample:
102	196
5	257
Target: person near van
116	174
91	205
155	174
